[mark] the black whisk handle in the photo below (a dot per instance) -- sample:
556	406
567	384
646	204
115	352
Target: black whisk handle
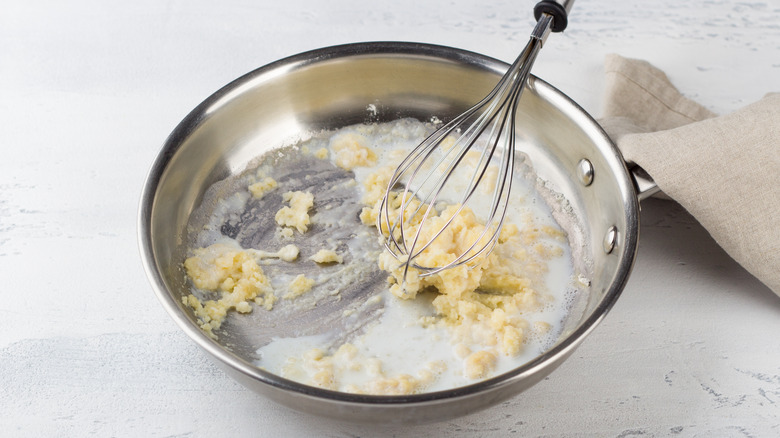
559	9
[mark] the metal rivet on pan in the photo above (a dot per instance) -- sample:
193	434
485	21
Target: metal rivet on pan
585	171
610	239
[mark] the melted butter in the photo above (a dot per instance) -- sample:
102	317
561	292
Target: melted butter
431	334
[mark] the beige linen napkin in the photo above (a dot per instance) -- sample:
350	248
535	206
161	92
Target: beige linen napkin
725	170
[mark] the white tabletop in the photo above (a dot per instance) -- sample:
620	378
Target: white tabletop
89	90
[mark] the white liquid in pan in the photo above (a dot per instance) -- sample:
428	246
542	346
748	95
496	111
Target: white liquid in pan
406	348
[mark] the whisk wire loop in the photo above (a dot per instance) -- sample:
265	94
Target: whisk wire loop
489	126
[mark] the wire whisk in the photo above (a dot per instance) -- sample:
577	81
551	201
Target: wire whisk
441	178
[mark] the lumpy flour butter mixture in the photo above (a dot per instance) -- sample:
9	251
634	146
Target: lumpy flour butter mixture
289	252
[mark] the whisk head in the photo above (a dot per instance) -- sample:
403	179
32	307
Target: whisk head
462	171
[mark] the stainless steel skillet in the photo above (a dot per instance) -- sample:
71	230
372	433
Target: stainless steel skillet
280	103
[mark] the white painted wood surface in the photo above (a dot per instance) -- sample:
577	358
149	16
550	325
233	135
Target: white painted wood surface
90	89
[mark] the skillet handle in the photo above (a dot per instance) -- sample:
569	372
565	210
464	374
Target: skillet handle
643	183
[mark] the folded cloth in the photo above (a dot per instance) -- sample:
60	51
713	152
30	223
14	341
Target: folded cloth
725	170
